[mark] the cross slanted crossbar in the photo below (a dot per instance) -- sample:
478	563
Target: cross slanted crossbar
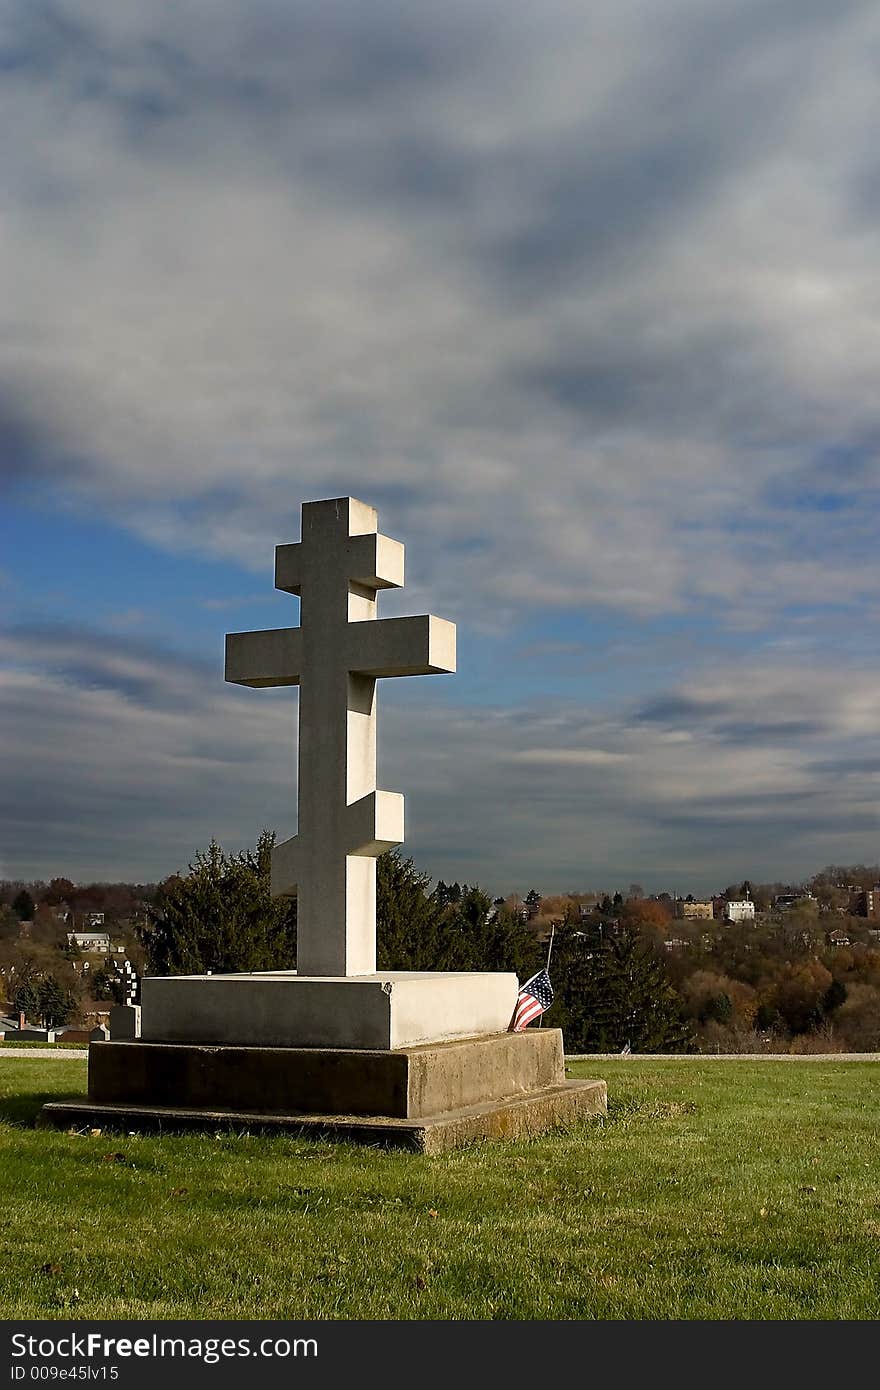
335	657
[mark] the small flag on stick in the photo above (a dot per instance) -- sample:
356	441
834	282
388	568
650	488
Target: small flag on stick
534	999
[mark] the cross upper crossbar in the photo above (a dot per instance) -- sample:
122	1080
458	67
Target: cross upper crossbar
421	646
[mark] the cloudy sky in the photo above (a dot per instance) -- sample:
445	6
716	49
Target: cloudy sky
583	297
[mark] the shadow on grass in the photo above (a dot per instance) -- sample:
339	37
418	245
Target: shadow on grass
22	1109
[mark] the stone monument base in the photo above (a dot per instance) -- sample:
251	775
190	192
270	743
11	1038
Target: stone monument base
428	1098
390	1009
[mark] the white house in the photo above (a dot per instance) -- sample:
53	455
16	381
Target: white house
742	910
97	942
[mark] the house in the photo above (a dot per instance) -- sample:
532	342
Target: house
784	902
739	910
95	942
870	905
687	910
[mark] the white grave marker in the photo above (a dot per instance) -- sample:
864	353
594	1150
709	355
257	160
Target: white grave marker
335	657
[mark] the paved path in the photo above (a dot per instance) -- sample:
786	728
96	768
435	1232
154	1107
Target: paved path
81	1054
723	1057
48	1054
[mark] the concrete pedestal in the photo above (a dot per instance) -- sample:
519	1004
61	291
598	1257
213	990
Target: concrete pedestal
429	1098
387	1010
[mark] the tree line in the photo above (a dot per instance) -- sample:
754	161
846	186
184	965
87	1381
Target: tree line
623	971
611	988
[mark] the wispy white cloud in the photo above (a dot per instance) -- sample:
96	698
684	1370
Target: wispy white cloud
127	759
568	757
767	774
582	287
583	298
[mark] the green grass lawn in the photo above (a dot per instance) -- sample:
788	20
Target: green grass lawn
713	1190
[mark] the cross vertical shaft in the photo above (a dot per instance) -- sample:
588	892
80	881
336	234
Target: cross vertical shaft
336	656
337	761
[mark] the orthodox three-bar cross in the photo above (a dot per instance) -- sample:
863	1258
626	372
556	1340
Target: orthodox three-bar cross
335	657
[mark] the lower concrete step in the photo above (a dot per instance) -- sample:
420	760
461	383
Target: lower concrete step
513	1118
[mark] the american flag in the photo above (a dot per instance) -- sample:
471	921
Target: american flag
534	998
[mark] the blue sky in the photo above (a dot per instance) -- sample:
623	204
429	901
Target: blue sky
585	303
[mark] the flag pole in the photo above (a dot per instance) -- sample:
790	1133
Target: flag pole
547	966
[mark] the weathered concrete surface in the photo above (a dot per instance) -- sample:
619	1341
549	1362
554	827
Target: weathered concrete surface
455	1075
373	1012
406	1084
515	1118
335	656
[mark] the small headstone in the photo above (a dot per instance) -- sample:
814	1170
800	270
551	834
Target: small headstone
125	1022
99	1034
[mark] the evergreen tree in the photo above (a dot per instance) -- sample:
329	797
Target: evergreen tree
718	1008
220	917
419	930
107	985
26	999
10	927
55	1004
613	990
23	906
408	917
448	894
71	951
465	932
835	995
638	1005
476	938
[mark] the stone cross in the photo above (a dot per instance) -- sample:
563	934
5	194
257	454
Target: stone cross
335	657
